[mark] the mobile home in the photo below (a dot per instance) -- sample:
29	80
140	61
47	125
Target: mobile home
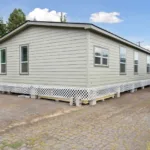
70	60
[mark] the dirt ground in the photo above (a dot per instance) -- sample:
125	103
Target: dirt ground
116	124
14	109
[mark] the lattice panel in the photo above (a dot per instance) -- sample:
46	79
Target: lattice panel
100	92
71	92
63	92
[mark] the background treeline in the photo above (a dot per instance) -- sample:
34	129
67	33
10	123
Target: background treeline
15	19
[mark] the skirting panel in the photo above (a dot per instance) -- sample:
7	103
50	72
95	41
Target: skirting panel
72	92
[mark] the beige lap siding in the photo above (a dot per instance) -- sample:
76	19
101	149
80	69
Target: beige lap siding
56	57
109	75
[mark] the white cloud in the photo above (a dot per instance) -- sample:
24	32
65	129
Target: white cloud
147	47
104	17
44	15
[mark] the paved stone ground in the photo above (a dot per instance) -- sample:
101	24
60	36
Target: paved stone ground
116	124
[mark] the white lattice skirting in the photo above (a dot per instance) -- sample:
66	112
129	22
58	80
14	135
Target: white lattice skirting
72	92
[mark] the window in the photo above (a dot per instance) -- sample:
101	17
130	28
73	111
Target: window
122	60
101	56
148	64
2	61
136	62
24	61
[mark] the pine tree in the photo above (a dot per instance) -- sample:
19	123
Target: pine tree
16	18
2	27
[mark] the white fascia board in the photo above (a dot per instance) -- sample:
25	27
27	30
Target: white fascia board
14	31
55	24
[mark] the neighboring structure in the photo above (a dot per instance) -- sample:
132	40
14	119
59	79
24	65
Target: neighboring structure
68	60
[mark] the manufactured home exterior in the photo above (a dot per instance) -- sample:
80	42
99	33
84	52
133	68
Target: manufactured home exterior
106	75
70	56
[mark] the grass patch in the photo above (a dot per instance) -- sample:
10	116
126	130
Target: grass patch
14	145
32	141
3	144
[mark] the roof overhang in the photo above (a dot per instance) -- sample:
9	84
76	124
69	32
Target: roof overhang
118	38
86	26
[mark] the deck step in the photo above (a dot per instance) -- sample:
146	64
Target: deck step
55	98
112	95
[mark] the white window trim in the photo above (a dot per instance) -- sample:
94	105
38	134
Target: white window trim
123	73
148	64
137	63
5	61
21	62
101	60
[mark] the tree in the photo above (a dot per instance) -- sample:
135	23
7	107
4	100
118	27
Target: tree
2	27
63	18
16	18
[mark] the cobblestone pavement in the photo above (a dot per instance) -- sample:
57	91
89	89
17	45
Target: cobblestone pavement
116	124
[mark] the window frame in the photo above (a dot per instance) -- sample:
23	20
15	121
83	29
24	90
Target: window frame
134	64
5	60
147	64
20	61
101	65
122	73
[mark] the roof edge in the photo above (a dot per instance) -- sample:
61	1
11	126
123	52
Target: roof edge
86	26
43	23
118	38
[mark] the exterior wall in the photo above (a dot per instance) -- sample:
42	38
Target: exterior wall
99	76
57	57
65	57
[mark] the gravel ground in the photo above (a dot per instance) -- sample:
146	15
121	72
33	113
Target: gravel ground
116	124
14	109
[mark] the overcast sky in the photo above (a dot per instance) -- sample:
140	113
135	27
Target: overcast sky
127	18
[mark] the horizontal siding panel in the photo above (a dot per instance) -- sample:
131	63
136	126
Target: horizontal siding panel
48	73
51	64
41	82
110	75
56	57
59	69
52	81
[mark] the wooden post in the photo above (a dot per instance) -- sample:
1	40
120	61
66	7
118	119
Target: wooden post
78	102
133	89
118	92
71	101
92	102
